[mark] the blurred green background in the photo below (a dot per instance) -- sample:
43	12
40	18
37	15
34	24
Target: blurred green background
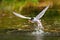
50	21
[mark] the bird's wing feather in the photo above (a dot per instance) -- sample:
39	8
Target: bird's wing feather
42	13
21	16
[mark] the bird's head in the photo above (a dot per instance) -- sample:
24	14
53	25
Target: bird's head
31	20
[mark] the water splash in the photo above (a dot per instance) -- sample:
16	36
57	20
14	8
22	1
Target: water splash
39	29
38	32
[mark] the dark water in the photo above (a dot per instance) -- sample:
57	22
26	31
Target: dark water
24	35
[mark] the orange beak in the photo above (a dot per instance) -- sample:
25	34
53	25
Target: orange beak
30	21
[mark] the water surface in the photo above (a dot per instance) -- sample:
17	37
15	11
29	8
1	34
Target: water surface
25	35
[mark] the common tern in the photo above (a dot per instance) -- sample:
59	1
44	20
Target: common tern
36	19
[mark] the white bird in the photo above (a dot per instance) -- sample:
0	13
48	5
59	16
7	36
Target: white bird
34	19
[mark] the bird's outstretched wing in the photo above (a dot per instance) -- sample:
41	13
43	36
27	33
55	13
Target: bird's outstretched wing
21	16
42	13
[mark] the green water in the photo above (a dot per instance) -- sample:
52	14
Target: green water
24	35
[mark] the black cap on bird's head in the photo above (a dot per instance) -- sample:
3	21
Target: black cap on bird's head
32	18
